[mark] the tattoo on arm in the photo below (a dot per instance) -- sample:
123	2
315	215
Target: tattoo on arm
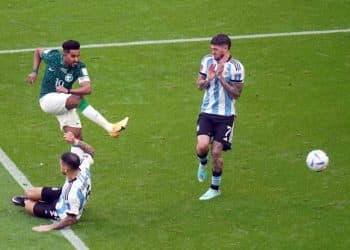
69	220
202	83
234	90
87	148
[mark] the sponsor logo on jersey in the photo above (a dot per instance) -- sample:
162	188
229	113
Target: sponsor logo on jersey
68	78
51	69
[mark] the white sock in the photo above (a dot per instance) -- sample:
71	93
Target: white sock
77	151
93	115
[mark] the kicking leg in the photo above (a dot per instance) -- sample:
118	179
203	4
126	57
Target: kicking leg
92	114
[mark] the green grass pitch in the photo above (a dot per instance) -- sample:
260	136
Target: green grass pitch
145	192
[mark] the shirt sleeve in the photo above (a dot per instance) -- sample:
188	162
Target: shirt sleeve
204	66
73	205
86	162
237	72
50	55
83	75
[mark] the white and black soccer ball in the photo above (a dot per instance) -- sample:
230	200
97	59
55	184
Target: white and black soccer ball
317	160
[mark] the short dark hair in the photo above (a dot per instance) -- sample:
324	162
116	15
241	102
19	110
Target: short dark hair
71	159
70	44
221	39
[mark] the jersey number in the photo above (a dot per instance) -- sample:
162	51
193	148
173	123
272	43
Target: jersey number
228	134
59	82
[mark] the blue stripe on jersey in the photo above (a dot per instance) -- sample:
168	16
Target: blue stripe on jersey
216	96
205	101
81	199
228	100
61	209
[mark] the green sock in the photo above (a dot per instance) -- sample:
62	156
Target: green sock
83	104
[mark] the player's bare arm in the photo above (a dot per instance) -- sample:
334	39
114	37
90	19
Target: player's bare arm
85	89
36	64
233	90
87	148
67	221
204	80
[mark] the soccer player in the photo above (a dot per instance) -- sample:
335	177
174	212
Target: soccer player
221	77
57	96
65	204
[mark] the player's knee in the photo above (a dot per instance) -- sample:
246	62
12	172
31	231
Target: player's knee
73	101
30	193
29	206
202	148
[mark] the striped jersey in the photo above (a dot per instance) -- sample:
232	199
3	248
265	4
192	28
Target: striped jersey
216	99
76	193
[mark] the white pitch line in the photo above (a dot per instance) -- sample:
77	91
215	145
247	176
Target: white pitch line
189	40
23	181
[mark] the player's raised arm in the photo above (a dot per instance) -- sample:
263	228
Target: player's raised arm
70	138
233	90
36	64
203	80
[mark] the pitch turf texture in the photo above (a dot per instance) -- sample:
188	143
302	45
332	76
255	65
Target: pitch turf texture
145	192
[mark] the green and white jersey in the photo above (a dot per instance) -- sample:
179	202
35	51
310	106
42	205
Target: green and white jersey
57	73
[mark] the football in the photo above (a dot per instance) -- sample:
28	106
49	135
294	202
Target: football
317	160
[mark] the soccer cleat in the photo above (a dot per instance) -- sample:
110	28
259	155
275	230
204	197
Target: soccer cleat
210	194
202	172
18	200
119	126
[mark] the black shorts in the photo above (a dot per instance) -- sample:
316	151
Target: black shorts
46	207
217	127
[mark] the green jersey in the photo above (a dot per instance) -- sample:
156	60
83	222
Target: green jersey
59	74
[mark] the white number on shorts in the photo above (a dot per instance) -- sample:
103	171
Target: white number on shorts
228	134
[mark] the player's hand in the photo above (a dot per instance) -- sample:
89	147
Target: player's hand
32	77
211	72
42	228
220	69
69	137
61	89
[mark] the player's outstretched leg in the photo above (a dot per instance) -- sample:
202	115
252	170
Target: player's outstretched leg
92	114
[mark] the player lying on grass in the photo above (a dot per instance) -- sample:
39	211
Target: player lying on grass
57	96
65	204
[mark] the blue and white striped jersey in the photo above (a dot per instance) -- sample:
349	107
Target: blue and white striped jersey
216	99
76	193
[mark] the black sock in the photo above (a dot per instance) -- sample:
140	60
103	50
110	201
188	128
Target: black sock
203	158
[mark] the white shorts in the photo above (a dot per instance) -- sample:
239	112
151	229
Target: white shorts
55	104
